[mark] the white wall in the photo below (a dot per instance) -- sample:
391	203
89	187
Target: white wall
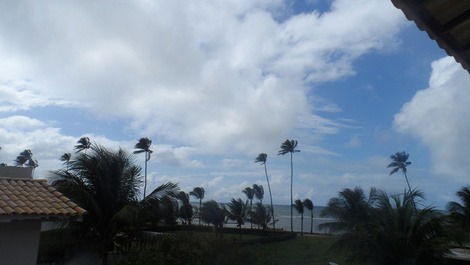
19	242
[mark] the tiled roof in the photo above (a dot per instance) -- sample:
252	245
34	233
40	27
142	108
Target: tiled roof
28	197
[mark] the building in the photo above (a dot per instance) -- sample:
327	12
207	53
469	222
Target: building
24	204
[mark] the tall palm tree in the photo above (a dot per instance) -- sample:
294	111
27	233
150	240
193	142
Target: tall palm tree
400	162
308	204
83	144
259	192
460	214
237	211
198	193
105	183
299	207
262	159
250	193
143	146
288	146
25	158
65	158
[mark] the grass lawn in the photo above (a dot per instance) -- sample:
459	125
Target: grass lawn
311	250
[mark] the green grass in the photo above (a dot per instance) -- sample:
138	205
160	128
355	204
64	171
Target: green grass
299	251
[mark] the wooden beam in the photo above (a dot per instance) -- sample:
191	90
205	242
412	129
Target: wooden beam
456	21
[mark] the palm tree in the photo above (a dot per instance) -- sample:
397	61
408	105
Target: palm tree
288	146
65	158
213	213
350	209
261	215
83	144
186	209
250	193
25	158
105	183
400	162
143	146
198	193
262	159
237	211
308	204
299	207
398	234
460	214
259	192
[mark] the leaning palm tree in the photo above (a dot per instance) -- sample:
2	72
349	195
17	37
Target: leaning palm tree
25	158
143	146
259	192
105	183
460	214
288	146
262	159
400	162
308	204
65	158
198	193
83	144
237	211
250	193
261	215
299	207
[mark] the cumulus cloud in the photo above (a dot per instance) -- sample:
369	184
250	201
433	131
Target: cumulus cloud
439	116
215	76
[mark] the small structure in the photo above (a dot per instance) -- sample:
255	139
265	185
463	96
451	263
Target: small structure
446	21
24	203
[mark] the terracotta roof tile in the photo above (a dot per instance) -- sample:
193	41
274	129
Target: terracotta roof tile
34	197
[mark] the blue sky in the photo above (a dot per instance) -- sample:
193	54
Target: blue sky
214	84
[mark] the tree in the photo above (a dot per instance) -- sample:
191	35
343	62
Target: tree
308	204
213	213
237	211
198	193
250	193
460	214
83	144
350	209
105	183
262	159
65	158
186	209
261	215
299	207
25	158
288	146
259	192
397	233
400	162
143	146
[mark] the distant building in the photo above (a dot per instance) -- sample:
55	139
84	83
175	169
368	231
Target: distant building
25	203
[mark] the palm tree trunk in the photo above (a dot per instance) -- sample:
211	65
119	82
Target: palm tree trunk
270	195
311	222
291	202
407	182
251	209
199	217
302	224
145	173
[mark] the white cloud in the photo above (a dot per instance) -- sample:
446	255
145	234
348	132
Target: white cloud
440	117
210	75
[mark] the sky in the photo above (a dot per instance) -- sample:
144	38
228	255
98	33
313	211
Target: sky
213	83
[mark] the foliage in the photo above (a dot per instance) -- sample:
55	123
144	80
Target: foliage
259	192
261	215
83	144
143	146
400	162
198	193
25	158
262	158
396	233
237	211
460	215
213	213
186	209
308	204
